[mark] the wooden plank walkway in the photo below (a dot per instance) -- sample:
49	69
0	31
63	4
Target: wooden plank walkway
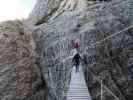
78	89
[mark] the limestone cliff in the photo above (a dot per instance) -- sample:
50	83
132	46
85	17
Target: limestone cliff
57	22
34	53
45	9
19	75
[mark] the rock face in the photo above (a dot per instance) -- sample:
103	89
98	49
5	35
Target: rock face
28	66
45	9
19	75
58	22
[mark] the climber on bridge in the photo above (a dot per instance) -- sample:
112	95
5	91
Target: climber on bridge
76	43
76	56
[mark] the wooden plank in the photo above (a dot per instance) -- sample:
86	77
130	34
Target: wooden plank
78	89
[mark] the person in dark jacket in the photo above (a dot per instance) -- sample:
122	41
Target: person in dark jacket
76	60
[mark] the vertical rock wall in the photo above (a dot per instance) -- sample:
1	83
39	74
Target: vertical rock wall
19	75
90	21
